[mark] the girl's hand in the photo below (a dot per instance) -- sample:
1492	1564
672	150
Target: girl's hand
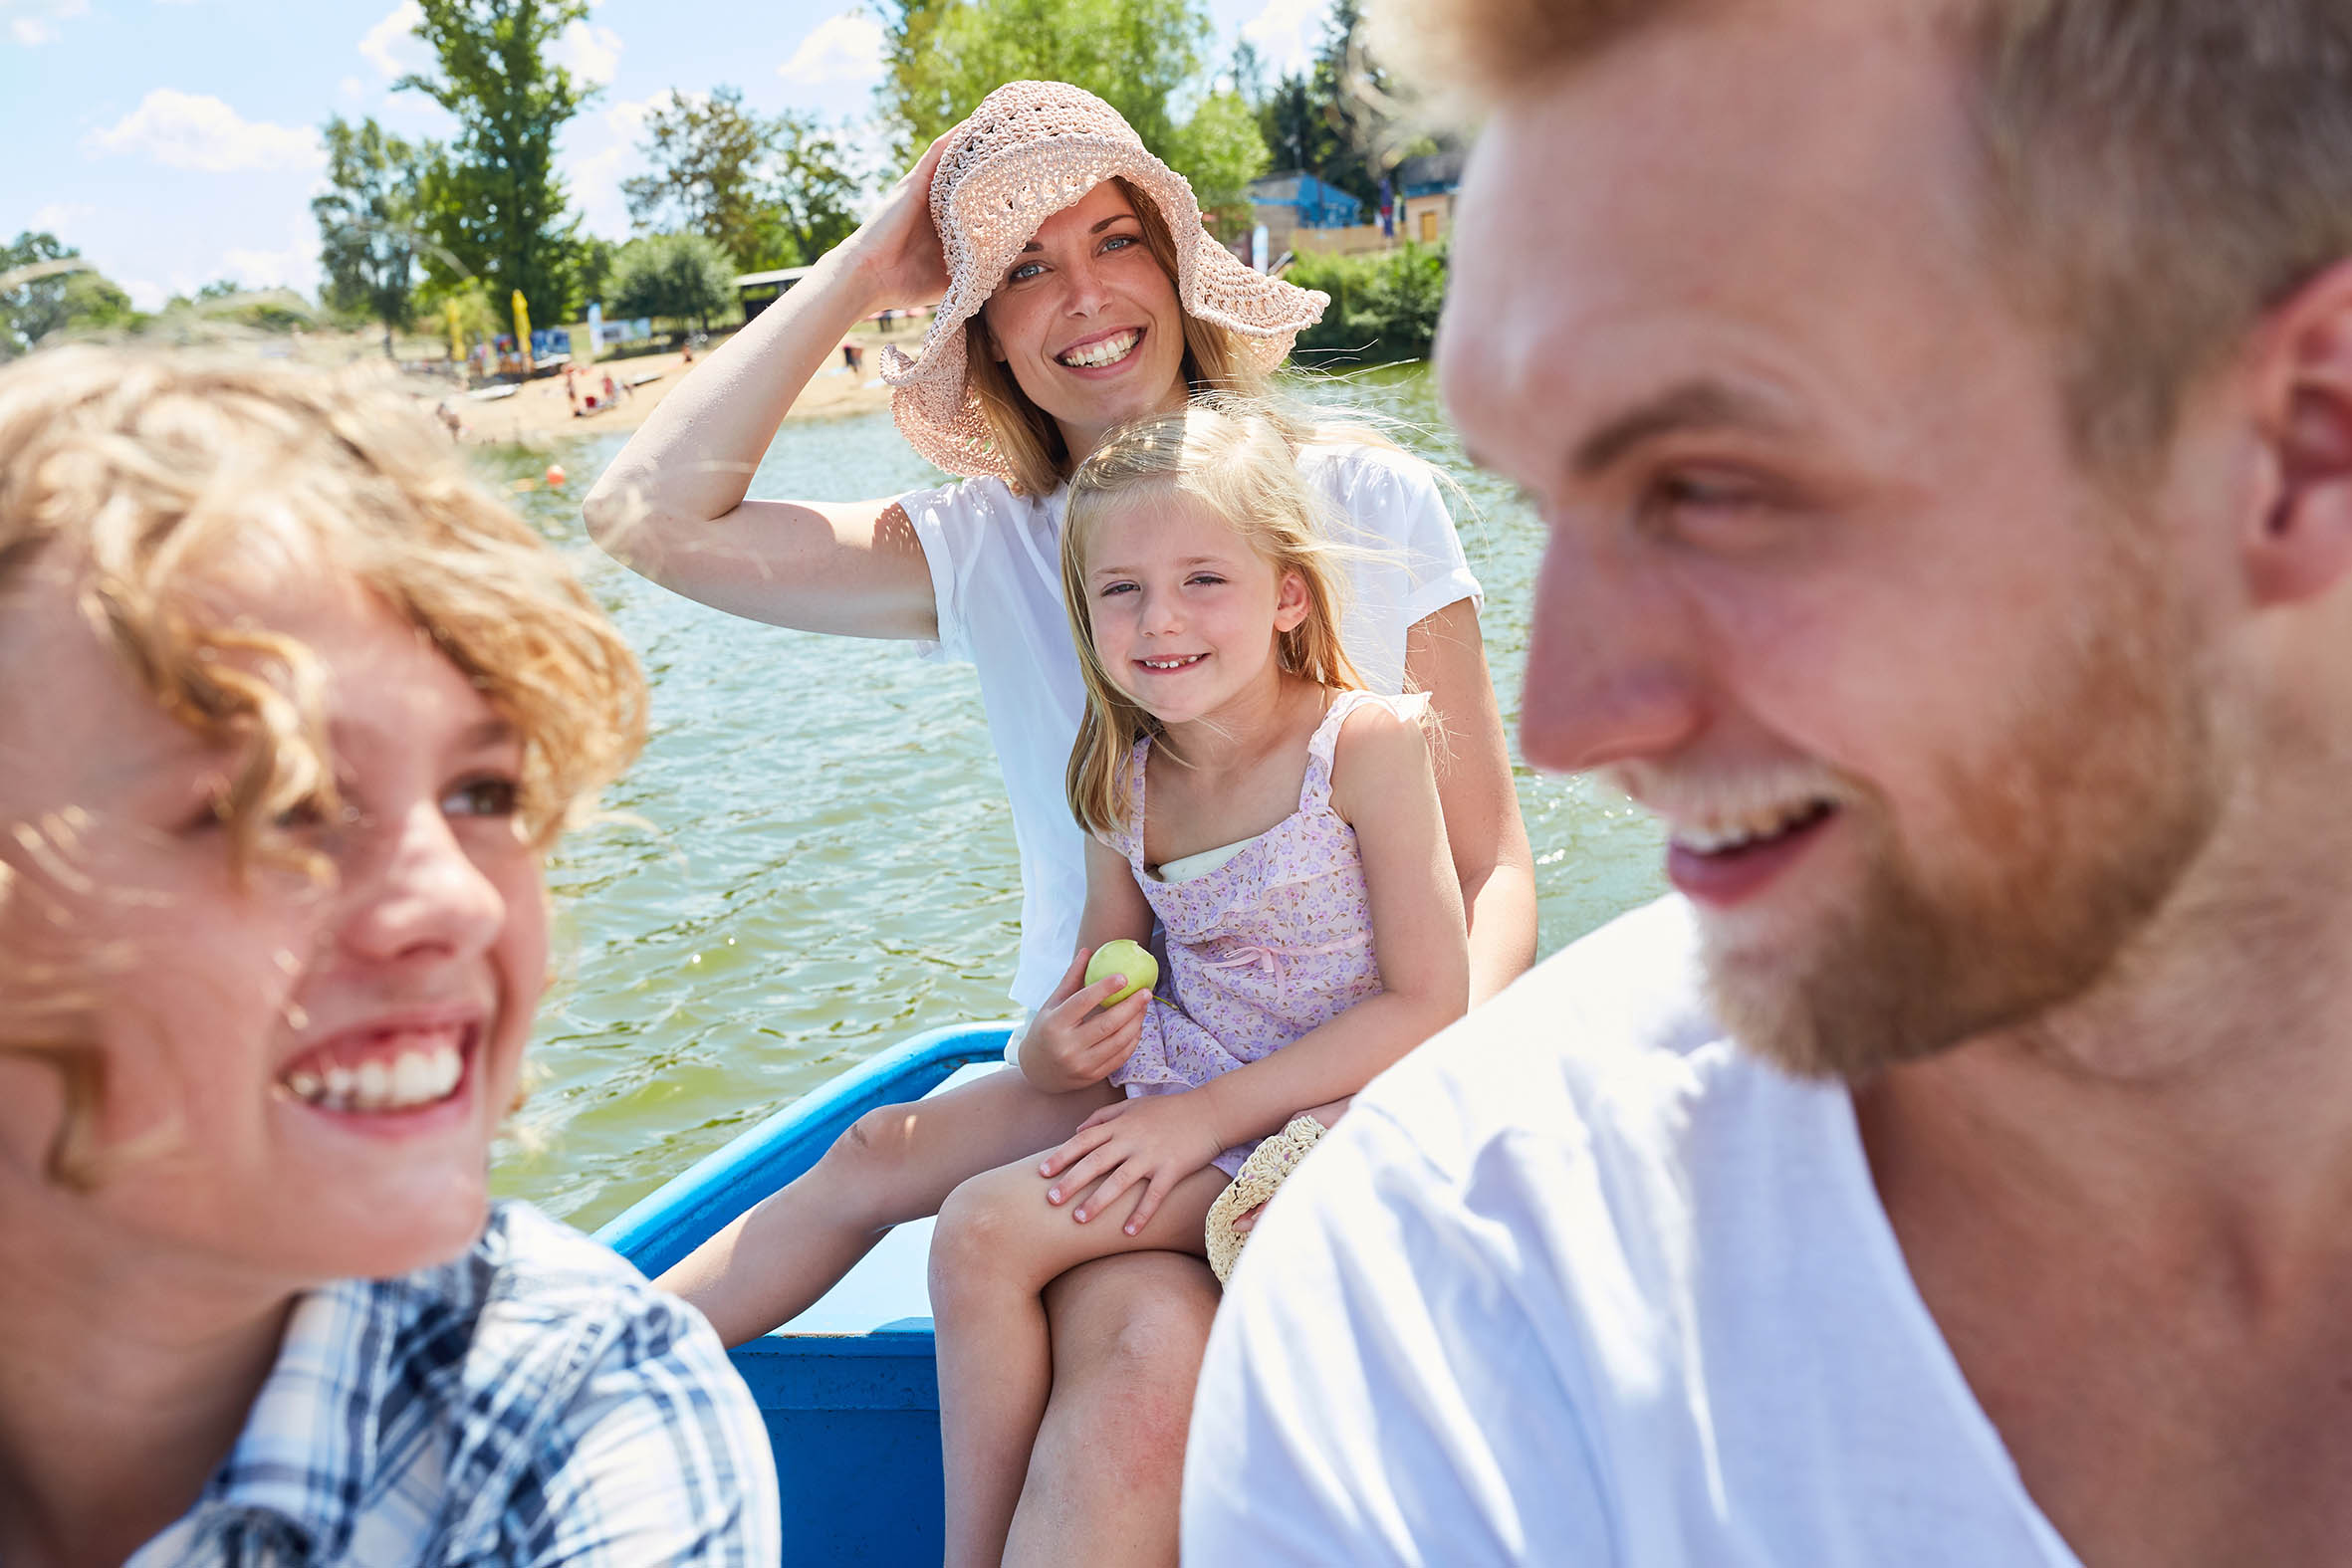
899	247
1329	1116
1074	1040
1158	1140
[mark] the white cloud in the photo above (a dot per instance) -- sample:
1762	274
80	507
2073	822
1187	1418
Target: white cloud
1287	33
145	294
589	52
392	45
60	217
33	23
595	185
294	267
840	48
194	131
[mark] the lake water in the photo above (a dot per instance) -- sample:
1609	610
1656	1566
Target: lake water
815	856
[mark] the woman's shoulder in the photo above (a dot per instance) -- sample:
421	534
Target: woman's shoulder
960	500
1343	463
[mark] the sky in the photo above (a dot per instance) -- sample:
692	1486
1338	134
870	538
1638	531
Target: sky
176	142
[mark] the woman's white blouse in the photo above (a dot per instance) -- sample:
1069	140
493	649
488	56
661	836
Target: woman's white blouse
996	573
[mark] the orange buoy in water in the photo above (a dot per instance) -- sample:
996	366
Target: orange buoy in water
555	476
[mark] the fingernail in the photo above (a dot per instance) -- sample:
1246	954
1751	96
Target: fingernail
1079	1216
1052	1195
1130	1229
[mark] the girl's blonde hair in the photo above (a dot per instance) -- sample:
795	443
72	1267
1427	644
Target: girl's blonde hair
151	478
1026	435
1239	459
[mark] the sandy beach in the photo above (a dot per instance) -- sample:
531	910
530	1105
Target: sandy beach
537	413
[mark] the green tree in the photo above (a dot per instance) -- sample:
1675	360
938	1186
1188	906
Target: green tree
1142	57
368	223
773	192
1221	150
45	288
811	193
678	276
493	202
707	156
1338	120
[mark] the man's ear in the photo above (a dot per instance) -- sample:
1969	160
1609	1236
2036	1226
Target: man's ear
2302	546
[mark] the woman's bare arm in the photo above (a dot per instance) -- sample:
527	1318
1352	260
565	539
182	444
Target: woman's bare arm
672	507
1446	658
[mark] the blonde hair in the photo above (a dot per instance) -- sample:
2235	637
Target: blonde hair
2161	172
1028	436
151	476
1239	459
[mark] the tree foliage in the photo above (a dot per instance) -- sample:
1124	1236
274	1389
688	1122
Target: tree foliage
1337	120
1142	57
706	156
368	222
493	205
53	292
772	193
679	275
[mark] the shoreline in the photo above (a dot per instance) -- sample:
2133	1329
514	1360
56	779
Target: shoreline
537	415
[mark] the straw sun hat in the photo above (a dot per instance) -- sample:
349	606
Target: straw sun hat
1029	150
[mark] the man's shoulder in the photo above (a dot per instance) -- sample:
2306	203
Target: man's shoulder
1614	1029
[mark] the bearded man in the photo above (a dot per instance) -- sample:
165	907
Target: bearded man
1942	413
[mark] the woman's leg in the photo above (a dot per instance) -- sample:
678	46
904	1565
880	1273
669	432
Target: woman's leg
998	1246
1108	1470
893	1165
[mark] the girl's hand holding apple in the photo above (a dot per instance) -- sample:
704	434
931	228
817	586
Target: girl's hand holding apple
1081	1036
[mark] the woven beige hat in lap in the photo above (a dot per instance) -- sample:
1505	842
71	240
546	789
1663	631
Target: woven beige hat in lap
1029	150
1263	1171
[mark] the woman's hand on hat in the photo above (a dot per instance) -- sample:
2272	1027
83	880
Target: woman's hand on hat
1074	1042
898	247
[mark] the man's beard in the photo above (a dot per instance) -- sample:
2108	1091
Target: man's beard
2071	827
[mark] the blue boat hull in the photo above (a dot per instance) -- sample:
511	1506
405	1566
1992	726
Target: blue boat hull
853	1417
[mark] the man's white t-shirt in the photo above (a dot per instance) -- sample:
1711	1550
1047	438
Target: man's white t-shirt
1580	1282
996	573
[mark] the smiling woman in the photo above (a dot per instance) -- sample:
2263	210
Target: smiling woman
272	932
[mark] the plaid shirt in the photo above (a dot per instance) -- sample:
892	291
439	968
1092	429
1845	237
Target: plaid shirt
535	1402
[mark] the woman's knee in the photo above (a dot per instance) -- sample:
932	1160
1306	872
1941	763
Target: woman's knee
1140	1321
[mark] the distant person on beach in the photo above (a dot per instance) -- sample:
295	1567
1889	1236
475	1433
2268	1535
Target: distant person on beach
311	707
1943	416
1105	302
1279	825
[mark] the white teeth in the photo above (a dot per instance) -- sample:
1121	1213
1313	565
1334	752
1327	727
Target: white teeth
1714	837
1108	351
1172	665
420	1076
413	1077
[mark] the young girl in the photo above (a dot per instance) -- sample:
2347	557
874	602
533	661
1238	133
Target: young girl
1281	825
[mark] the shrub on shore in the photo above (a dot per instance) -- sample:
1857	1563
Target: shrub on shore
1385	304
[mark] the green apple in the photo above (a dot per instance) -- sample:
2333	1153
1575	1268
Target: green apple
1123	957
